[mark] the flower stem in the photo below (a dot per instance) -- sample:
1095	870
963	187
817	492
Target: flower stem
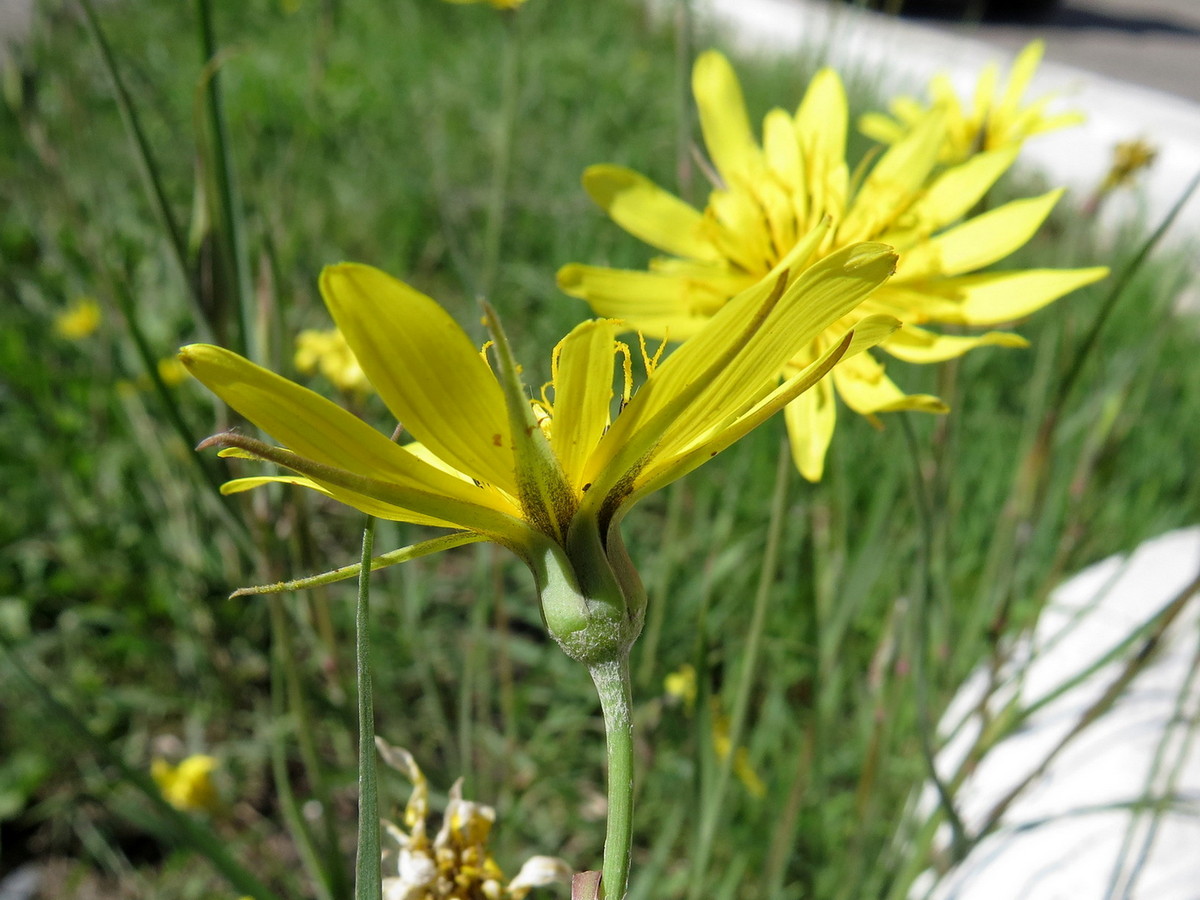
612	684
367	873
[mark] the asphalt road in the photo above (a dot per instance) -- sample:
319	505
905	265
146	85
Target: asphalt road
1152	43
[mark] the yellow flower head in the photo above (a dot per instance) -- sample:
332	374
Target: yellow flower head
993	121
550	480
766	201
328	353
681	684
1128	160
79	320
454	863
187	786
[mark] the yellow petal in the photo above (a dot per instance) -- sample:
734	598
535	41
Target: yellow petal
241	485
1022	71
862	383
996	297
582	394
782	151
799	381
723	120
654	304
810	419
712	283
821	122
916	345
361	502
740	231
648	212
426	369
895	181
881	128
916	302
320	430
909	110
980	241
954	192
815	300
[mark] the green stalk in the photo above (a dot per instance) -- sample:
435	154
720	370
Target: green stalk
230	239
293	817
502	162
616	703
666	563
146	163
684	42
334	875
926	727
368	880
741	703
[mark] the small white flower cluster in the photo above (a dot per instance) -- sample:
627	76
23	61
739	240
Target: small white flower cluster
455	863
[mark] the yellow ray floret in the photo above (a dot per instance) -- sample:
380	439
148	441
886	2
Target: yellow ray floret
771	201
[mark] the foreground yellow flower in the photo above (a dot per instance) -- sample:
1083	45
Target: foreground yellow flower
993	120
766	201
455	863
187	786
549	480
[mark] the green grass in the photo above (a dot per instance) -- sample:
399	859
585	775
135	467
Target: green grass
365	132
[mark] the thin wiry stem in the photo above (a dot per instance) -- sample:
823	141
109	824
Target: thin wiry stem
510	86
749	671
368	880
925	725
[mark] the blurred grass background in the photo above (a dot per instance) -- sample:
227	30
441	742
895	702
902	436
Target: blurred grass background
368	132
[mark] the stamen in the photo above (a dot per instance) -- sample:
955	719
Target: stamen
651	362
627	369
483	351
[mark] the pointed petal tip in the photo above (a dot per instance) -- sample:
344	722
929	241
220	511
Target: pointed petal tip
871	254
569	277
709	65
191	354
604	182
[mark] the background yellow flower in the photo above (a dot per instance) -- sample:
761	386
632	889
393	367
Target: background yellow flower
189	785
79	320
768	199
993	120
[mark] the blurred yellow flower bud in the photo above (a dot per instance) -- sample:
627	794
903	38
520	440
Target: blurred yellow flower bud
681	684
79	320
187	786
